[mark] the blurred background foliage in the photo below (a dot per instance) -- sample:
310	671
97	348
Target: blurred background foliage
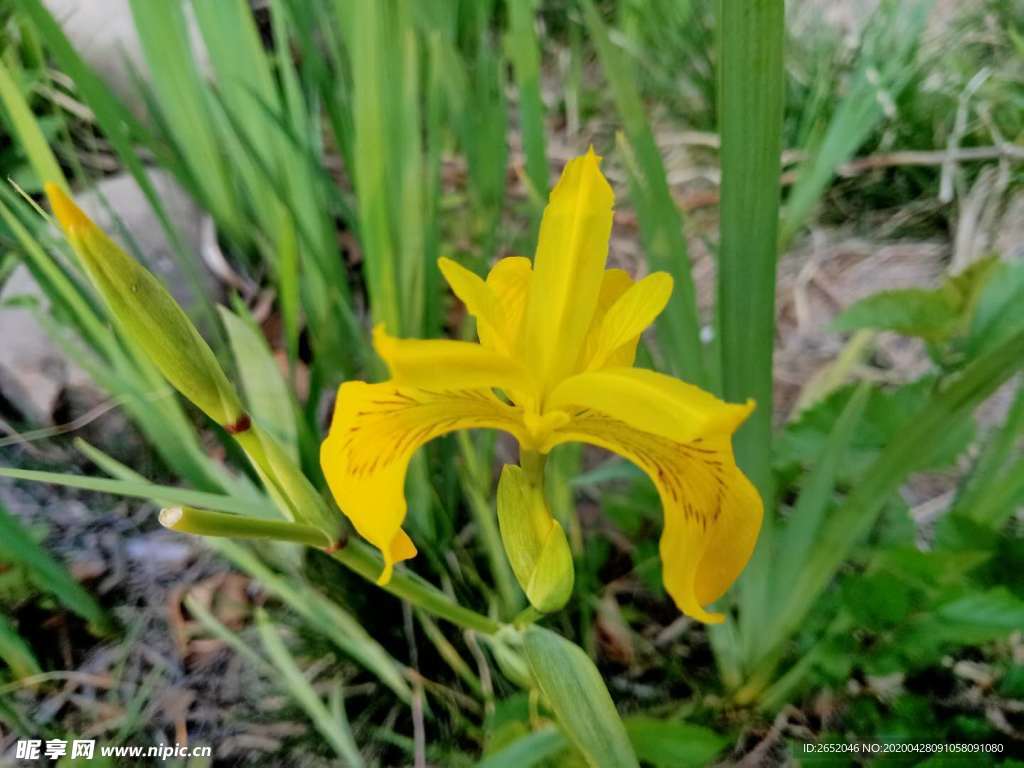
302	165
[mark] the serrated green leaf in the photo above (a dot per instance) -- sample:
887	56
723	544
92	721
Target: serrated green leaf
997	314
998	610
671	744
528	750
885	414
935	315
931	315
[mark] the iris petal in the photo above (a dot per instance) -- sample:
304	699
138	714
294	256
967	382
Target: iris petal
375	431
681	437
568	269
443	364
616	328
509	281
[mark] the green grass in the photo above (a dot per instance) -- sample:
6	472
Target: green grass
342	146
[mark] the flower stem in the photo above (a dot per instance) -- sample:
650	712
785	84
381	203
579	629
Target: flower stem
358	557
205	523
476	483
529	615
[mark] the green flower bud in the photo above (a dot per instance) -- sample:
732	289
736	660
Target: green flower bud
152	319
534	541
149	316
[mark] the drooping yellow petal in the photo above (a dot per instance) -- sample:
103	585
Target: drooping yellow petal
374	433
650	401
447	364
568	269
615	332
681	437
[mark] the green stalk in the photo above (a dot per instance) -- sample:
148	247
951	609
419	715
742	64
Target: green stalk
750	102
476	487
202	522
522	47
661	224
361	559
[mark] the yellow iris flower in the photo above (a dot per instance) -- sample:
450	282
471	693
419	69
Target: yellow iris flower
554	364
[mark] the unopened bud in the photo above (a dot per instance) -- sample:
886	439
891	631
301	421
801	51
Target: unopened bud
534	541
149	316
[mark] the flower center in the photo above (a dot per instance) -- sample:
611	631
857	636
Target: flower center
541	425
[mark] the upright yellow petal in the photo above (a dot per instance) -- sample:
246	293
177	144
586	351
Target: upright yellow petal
681	437
374	433
480	302
615	331
568	269
509	281
497	303
447	364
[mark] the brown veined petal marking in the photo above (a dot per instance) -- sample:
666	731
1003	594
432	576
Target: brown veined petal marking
712	512
374	433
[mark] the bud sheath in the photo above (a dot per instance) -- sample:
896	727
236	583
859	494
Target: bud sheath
148	315
534	541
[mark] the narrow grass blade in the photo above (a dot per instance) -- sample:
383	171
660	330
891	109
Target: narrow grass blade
177	83
149	491
62	289
796	540
661	225
120	128
244	80
31	136
336	730
577	695
885	66
322	615
523	50
448	652
1001	498
991	464
107	463
222	633
266	392
15	652
17	547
